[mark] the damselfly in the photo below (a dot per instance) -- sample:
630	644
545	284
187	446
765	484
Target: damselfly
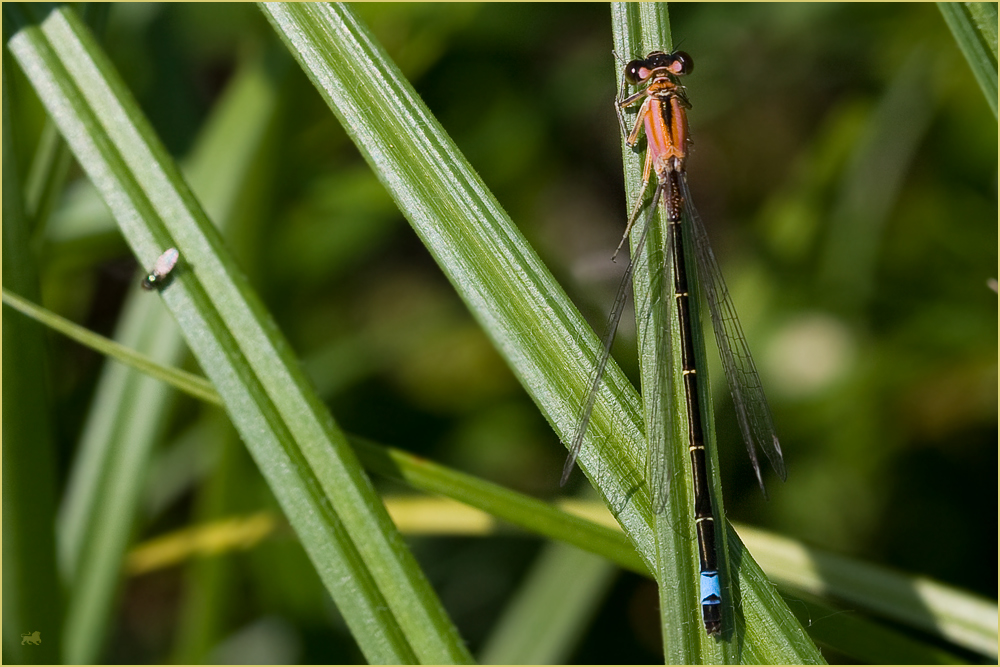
662	117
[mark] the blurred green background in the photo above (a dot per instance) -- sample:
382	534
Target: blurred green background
845	164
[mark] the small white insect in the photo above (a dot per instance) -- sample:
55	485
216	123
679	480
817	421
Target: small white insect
159	277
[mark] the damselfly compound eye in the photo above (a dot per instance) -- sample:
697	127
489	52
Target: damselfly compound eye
159	275
682	64
633	69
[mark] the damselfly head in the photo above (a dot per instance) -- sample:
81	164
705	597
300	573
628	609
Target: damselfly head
677	63
159	275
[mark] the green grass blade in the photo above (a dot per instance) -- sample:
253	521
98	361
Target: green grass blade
760	628
546	617
374	580
957	616
126	419
47	176
515	508
100	507
32	600
638	30
191	384
864	640
509	291
974	26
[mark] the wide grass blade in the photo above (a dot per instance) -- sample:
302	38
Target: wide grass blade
386	601
543	337
130	409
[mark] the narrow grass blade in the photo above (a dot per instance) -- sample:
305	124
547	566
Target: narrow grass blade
638	30
191	384
517	509
757	625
